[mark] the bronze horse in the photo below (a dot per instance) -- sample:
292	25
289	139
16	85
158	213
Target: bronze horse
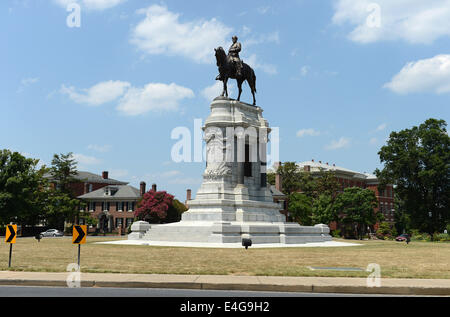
227	70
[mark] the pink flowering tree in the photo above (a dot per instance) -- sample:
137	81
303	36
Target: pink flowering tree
154	206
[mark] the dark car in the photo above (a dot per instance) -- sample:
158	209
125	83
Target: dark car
52	233
402	238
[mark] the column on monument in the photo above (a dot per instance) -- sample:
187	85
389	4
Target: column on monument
240	157
263	156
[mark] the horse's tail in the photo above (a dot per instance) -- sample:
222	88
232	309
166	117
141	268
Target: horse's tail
254	80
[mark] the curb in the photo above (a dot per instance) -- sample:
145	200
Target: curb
337	289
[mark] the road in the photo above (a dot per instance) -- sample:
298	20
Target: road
18	291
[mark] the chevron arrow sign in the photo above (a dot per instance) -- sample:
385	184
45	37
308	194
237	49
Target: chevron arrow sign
79	234
11	234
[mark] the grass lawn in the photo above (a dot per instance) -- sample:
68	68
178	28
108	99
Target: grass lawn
397	260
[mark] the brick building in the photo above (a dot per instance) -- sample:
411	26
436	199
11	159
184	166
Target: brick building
111	201
113	206
348	178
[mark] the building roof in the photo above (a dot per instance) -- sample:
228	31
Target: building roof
113	192
88	177
317	166
275	192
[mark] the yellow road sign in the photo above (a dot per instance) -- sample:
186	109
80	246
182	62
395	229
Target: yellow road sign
11	234
79	234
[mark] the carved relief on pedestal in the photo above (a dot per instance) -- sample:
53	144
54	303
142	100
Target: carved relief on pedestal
217	166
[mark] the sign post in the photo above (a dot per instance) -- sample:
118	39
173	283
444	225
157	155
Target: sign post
11	235
79	237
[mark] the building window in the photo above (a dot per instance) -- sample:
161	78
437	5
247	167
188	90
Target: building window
119	206
119	222
90	187
129	221
105	206
92	206
131	206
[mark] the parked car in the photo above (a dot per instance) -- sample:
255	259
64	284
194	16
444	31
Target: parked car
402	237
52	233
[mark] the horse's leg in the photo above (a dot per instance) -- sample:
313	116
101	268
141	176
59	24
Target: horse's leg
253	88
252	84
225	82
239	82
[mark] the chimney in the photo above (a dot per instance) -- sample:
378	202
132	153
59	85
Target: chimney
105	175
327	163
86	188
320	162
188	195
278	182
312	160
143	185
154	187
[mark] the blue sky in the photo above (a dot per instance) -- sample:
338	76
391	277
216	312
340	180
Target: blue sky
335	76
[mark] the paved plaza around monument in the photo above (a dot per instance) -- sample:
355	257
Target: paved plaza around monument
326	244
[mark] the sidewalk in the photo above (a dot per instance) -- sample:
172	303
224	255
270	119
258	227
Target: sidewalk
242	283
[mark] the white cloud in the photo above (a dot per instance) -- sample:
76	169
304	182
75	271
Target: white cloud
263	10
97	95
254	62
134	101
339	144
84	160
153	97
304	70
373	141
273	37
162	32
99	148
27	82
307	132
91	4
211	92
427	75
170	174
381	127
414	21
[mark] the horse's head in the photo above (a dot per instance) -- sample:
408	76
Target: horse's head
221	56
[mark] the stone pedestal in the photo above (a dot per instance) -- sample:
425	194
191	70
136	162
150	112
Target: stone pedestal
233	201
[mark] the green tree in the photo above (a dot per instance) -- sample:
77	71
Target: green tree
20	185
401	216
355	209
63	170
291	177
61	204
300	208
417	161
327	184
323	210
19	182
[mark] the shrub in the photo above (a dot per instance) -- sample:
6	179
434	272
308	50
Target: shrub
441	237
154	206
336	233
386	231
421	237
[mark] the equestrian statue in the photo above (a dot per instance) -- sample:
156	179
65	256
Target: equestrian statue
231	66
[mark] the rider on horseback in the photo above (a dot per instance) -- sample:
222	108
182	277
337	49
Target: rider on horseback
233	54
